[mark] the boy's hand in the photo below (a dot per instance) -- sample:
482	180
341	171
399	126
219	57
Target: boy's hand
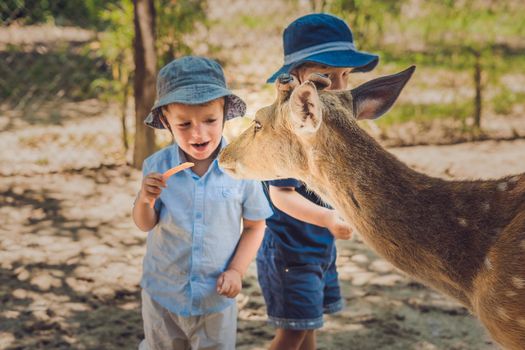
229	283
151	188
338	227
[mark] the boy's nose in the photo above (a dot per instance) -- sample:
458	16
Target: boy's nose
197	129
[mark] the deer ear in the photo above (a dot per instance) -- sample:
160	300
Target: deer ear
305	109
374	98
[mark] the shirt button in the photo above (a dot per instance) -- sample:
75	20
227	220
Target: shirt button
201	184
198	215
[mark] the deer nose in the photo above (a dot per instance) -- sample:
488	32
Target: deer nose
226	162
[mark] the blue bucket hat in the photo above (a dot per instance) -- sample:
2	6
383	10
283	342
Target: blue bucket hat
324	39
193	80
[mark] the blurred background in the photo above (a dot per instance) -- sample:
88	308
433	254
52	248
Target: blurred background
76	82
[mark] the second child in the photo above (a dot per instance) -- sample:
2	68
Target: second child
296	263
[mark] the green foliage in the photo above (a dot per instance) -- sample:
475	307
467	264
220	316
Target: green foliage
84	13
65	72
367	18
116	45
469	24
252	22
175	19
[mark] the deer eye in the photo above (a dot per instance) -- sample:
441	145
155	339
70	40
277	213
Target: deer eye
257	126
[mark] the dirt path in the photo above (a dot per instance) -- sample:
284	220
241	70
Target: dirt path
71	260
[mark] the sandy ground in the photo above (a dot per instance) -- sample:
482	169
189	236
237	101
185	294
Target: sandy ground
71	256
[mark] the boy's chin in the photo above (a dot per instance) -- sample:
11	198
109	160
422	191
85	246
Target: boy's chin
200	157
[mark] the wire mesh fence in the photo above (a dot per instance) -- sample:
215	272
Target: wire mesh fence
52	116
57	108
51	65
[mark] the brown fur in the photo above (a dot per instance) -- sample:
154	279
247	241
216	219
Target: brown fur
463	238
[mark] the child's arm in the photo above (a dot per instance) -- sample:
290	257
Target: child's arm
144	216
295	205
229	283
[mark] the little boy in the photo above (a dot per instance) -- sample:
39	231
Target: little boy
296	263
196	254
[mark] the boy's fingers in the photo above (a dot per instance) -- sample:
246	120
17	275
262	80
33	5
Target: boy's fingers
153	190
220	282
155	182
156	177
226	286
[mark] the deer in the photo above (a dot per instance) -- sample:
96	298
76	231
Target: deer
464	238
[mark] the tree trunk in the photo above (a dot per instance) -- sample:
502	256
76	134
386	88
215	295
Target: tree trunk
478	87
144	80
124	111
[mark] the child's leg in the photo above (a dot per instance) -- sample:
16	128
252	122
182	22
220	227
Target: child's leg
160	329
290	339
215	331
309	341
293	339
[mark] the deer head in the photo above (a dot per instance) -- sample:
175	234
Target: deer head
282	141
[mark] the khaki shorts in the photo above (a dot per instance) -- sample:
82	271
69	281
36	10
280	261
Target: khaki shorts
164	330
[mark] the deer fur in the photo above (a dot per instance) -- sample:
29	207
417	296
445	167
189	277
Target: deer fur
463	238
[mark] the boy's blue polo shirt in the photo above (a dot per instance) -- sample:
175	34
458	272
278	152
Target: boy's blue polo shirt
300	242
197	233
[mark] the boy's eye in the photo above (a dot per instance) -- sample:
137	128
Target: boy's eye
211	120
184	125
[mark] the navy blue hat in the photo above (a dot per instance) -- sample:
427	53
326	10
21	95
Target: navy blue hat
193	80
324	39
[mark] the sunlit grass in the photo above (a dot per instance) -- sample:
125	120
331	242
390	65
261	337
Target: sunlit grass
403	113
504	102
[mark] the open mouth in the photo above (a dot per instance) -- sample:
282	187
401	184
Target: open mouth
200	146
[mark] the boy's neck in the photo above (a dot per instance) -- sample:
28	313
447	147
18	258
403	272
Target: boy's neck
202	165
